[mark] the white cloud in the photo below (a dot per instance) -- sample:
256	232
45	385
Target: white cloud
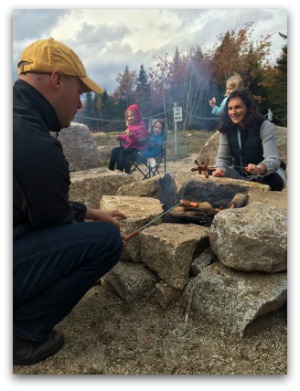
110	39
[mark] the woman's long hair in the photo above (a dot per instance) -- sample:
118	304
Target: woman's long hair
253	118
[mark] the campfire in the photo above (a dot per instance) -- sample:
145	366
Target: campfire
203	212
199	201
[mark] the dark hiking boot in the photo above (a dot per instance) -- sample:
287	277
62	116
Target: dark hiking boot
31	352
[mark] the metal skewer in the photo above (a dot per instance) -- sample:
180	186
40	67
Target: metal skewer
206	169
137	231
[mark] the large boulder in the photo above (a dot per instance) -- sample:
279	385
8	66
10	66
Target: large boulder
79	147
253	238
233	299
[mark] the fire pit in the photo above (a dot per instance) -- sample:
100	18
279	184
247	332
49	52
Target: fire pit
203	212
199	202
206	197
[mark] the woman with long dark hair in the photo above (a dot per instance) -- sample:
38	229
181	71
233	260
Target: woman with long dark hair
247	147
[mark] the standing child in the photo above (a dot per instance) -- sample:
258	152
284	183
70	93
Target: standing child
235	82
132	141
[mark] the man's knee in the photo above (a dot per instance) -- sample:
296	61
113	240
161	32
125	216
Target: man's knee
110	237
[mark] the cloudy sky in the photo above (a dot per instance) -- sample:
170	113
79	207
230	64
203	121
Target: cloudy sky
109	39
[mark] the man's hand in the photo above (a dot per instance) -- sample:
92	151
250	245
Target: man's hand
108	216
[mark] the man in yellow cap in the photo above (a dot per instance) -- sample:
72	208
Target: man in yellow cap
57	255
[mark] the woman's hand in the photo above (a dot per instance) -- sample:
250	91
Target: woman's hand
108	216
218	172
254	169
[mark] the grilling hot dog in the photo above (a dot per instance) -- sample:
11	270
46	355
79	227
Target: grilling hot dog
190	204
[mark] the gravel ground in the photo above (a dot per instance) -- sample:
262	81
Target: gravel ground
106	336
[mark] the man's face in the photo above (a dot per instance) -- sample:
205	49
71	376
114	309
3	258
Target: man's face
69	100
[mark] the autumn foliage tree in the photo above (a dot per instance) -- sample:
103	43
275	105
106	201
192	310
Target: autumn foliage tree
236	53
192	77
124	95
184	80
160	86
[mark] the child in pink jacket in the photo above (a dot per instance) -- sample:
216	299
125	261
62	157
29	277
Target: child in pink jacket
133	140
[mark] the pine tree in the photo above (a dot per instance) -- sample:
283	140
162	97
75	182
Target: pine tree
143	92
97	106
88	112
176	81
278	93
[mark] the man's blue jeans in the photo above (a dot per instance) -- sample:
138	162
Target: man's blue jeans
54	268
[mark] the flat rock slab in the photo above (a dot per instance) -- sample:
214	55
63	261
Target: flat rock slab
139	211
136	208
90	185
183	177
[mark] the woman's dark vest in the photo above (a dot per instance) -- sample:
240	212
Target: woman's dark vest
250	150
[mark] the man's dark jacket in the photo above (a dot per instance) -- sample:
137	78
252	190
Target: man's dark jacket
41	178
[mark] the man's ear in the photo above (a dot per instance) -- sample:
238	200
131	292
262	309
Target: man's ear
56	78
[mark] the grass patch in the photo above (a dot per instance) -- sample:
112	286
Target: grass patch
103	138
187	142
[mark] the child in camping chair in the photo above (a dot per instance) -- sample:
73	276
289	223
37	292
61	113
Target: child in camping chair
154	145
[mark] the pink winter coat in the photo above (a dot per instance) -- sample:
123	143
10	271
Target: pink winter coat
138	131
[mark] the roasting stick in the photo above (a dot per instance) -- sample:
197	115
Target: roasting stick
137	231
204	166
189	305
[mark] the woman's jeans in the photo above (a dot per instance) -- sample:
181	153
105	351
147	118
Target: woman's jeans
54	268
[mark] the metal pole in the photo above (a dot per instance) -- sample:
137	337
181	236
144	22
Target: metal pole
270	115
175	135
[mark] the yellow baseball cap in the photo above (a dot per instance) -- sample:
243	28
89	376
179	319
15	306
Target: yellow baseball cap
48	55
